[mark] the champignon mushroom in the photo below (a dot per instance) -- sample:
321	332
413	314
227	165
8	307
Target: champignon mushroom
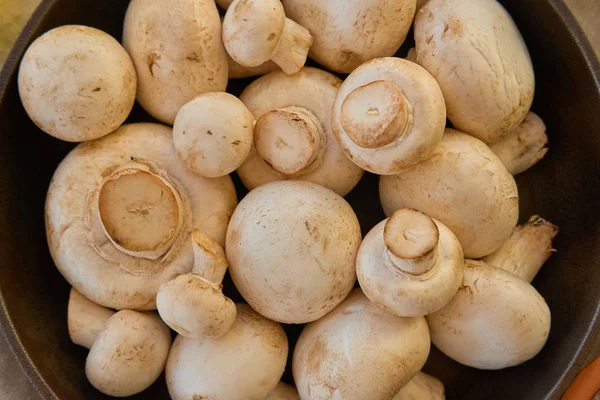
128	349
77	83
389	115
527	250
213	134
464	186
246	363
283	391
348	33
293	137
495	321
177	51
422	387
292	250
359	351
193	304
256	31
477	55
120	211
409	264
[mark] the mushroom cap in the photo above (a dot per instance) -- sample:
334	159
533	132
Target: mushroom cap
314	90
284	391
246	363
213	134
76	234
252	30
348	33
292	249
364	107
422	387
464	186
359	351
177	51
77	83
129	354
496	320
478	57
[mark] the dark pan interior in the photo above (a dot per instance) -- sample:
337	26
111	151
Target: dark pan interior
563	188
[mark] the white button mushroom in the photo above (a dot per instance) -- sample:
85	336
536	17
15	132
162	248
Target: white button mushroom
177	51
283	391
120	211
128	350
256	31
293	136
358	352
213	134
292	250
77	83
193	304
422	387
495	321
389	115
463	185
348	33
476	53
410	264
246	363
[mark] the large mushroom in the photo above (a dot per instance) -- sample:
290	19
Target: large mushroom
389	115
293	138
120	211
292	249
463	185
422	387
359	351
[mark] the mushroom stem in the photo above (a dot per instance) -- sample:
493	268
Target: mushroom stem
293	47
376	114
527	249
85	319
209	258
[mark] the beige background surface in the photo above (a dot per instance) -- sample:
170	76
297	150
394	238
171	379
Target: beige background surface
13	14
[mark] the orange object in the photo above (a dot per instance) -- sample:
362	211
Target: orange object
586	385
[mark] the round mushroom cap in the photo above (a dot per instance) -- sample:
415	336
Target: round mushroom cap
129	354
77	83
284	391
464	186
252	354
358	352
495	321
292	249
213	134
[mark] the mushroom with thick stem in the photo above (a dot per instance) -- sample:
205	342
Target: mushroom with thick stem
193	304
284	391
495	321
389	115
410	264
293	138
128	349
464	186
359	351
256	31
422	387
120	211
246	363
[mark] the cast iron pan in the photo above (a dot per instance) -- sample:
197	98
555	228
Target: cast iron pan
564	188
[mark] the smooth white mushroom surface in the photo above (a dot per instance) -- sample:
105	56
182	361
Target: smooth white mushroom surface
77	83
284	391
292	249
422	387
120	211
358	352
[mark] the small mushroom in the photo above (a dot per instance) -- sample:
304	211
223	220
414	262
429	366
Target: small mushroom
193	304
246	363
422	387
213	134
358	352
292	250
128	349
495	321
77	83
256	31
293	138
349	33
389	115
283	391
409	264
527	250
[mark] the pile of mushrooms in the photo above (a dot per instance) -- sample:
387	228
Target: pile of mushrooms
145	216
